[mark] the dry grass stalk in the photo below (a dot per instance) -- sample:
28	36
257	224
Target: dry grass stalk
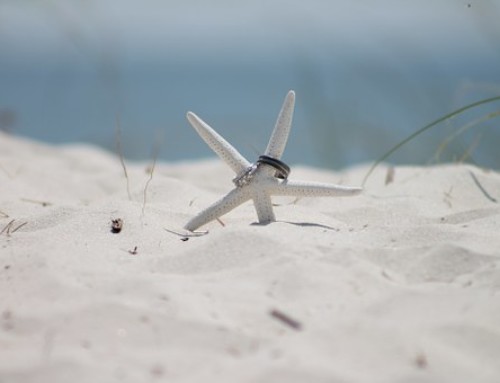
119	150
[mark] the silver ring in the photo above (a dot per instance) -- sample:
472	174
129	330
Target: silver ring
245	177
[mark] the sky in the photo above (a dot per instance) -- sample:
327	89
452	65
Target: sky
46	28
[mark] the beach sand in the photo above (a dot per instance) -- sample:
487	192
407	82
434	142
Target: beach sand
400	284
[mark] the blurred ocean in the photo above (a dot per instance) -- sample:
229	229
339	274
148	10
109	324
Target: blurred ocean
366	73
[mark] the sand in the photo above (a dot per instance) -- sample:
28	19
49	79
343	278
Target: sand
400	284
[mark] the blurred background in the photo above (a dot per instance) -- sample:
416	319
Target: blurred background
367	74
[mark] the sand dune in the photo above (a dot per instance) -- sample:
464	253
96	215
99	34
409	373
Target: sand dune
400	284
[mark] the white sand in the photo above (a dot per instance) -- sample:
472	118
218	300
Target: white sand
401	284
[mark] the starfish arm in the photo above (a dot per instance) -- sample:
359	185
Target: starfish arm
313	189
218	144
227	203
277	142
264	207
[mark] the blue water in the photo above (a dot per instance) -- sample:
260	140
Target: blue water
353	101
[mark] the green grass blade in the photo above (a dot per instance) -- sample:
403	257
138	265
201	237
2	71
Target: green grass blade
425	128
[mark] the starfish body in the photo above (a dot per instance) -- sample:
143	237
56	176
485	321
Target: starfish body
259	181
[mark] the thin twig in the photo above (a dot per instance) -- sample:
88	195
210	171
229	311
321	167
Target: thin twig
187	234
4	215
483	190
284	318
43	203
120	154
18	227
7	227
156	151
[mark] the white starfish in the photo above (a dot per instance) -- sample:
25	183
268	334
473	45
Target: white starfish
260	180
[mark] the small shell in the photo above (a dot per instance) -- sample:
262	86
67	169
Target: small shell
116	225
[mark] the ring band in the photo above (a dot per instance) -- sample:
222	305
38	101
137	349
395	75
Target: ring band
282	169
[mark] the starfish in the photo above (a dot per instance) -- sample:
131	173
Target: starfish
262	179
